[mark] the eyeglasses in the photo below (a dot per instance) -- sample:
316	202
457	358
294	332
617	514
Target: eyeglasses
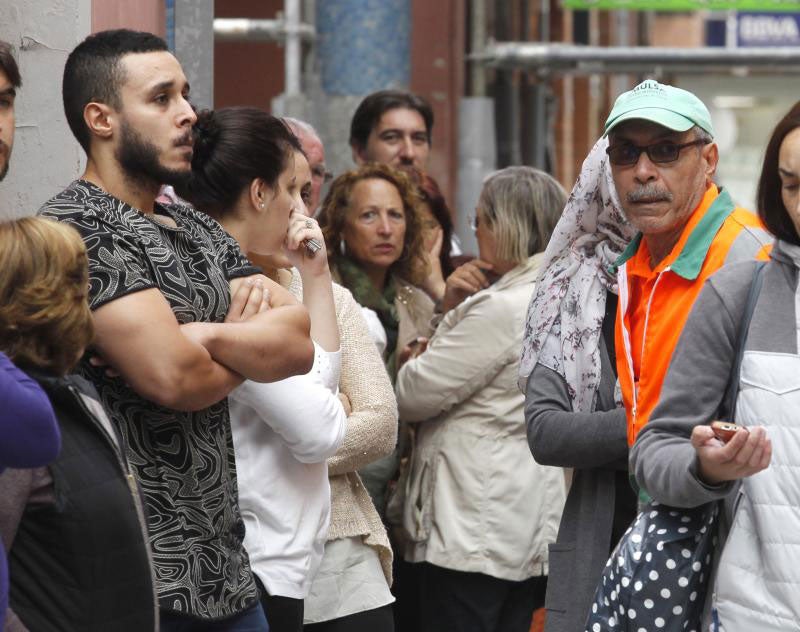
319	171
626	154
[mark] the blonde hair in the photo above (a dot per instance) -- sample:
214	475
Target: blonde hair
411	266
45	321
522	206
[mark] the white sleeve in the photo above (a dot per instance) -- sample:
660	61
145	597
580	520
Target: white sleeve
376	329
304	410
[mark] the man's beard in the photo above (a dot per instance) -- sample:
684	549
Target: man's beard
140	162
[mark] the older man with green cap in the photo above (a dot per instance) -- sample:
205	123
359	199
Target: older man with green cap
663	159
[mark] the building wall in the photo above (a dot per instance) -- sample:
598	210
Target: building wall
437	73
253	73
247	73
46	158
141	15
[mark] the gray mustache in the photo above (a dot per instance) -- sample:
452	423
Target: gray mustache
649	193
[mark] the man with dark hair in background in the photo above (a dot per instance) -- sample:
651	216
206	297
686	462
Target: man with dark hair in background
10	80
394	128
181	319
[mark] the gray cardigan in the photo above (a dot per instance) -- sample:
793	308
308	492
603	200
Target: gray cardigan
756	582
698	375
595	444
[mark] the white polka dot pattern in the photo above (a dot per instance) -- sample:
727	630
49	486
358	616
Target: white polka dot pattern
656	578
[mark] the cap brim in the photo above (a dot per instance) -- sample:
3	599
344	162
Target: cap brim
665	118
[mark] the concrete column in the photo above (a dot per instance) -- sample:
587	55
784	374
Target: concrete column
363	45
194	47
477	158
46	157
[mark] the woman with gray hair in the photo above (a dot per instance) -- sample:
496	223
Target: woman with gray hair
479	511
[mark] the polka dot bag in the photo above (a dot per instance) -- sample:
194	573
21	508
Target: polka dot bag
656	578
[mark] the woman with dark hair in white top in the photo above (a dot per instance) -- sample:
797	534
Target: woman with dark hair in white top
247	173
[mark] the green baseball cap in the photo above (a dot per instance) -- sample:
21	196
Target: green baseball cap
675	109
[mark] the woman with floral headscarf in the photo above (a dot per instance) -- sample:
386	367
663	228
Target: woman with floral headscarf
568	373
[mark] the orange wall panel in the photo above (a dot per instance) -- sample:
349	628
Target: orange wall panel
437	73
142	15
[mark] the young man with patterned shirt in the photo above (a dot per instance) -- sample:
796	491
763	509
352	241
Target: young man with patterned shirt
171	342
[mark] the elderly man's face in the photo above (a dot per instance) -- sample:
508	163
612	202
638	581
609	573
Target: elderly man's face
659	197
315	152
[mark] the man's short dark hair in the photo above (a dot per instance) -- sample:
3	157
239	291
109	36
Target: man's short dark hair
9	65
373	106
93	73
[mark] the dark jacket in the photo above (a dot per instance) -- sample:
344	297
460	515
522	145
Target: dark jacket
600	503
78	551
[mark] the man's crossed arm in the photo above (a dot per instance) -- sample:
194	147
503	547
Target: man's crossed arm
265	337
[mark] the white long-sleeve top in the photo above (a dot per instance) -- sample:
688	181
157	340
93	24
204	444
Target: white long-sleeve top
283	433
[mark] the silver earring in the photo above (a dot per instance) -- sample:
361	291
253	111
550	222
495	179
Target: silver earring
342	247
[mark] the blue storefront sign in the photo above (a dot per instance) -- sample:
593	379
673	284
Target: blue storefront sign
768	29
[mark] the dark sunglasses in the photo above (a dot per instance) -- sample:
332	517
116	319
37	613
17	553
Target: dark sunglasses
628	154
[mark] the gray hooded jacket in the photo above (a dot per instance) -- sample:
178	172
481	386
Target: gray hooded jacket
756	585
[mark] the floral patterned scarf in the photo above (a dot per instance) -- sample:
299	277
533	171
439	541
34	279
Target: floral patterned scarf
565	316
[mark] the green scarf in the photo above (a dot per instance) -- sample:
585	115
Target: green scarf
382	303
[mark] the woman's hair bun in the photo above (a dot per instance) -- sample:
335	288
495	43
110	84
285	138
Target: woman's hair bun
206	134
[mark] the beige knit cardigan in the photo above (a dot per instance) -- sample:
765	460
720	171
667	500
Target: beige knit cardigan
371	427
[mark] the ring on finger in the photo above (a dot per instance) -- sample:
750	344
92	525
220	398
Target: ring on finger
309	223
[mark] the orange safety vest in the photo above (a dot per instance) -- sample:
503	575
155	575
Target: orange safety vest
654	303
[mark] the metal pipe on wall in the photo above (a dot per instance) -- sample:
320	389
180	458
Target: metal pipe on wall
540	124
561	58
506	94
257	30
622	38
292	53
477	41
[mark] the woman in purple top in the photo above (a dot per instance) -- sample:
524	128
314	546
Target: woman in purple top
29	436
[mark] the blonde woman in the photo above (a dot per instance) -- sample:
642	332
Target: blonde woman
479	510
77	540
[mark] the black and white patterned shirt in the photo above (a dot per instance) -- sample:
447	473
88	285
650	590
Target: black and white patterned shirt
184	460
